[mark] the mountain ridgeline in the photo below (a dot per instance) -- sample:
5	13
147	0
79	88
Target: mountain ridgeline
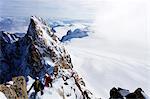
38	52
35	53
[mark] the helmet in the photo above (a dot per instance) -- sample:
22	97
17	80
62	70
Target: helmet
37	78
46	74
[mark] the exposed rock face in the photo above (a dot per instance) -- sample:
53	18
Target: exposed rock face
46	49
139	93
13	57
9	93
19	86
17	90
125	94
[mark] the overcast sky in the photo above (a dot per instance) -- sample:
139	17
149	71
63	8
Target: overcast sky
83	9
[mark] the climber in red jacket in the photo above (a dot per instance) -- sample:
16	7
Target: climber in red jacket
48	80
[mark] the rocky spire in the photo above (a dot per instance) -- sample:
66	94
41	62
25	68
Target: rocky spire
46	49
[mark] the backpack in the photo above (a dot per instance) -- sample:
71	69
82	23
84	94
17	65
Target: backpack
37	86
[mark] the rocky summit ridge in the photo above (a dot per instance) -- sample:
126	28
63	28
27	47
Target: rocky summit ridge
38	52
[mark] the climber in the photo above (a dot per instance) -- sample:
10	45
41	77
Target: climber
55	72
38	86
48	80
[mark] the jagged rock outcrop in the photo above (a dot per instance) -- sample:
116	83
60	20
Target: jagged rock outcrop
17	90
126	94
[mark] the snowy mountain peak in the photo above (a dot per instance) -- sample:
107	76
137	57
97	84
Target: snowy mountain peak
37	53
38	27
46	51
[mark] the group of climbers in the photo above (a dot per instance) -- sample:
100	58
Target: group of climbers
38	86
